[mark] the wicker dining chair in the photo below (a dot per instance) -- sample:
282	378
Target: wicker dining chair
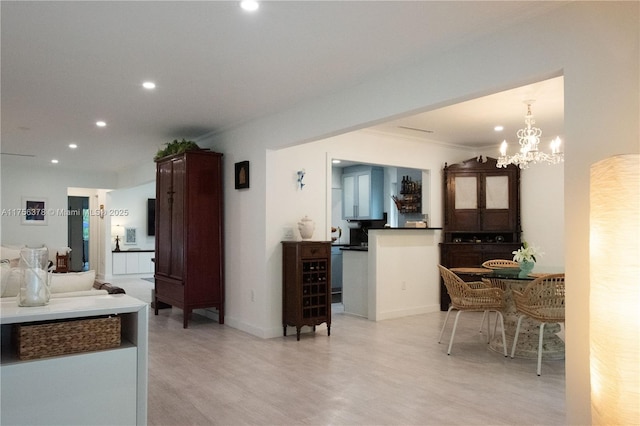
542	300
493	282
473	297
500	264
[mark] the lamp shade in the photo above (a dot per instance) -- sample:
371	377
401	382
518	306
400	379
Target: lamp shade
615	290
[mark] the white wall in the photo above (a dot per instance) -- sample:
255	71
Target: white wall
20	179
543	218
132	202
127	209
593	44
286	204
56	184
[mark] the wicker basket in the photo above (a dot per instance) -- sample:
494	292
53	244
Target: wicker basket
66	337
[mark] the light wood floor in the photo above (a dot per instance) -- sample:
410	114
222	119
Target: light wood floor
390	372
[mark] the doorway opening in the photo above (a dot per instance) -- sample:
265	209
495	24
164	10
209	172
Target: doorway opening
78	233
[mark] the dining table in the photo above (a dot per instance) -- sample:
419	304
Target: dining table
509	279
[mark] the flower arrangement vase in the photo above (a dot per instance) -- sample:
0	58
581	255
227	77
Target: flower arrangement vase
526	266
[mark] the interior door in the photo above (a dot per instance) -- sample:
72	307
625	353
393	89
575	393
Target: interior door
78	233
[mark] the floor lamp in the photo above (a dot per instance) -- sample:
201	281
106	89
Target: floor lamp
615	290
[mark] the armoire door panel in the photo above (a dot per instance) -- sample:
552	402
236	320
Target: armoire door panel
465	220
177	219
164	184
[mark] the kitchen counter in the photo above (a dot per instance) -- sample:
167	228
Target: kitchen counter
403	276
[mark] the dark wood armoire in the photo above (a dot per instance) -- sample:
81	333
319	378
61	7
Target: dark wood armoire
481	215
189	247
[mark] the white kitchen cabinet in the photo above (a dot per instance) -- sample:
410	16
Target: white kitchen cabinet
107	387
362	193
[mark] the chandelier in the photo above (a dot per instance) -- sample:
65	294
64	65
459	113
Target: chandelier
529	138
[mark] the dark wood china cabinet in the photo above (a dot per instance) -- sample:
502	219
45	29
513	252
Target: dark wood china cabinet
481	215
189	256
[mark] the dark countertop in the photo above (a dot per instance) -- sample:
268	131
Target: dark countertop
402	228
354	248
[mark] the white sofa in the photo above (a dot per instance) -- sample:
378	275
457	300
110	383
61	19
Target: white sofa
70	284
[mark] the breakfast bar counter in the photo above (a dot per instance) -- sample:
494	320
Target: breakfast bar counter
394	276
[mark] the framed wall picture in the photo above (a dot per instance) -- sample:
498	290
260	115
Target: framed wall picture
242	175
34	211
129	235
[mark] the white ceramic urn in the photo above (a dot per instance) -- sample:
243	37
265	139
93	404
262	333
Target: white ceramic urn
306	227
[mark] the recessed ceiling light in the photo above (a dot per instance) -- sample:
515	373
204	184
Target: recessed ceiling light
101	123
73	146
149	85
498	128
54	161
335	161
249	5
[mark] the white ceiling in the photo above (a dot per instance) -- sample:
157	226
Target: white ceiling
66	65
471	123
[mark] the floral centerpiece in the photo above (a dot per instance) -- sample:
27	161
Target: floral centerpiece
526	256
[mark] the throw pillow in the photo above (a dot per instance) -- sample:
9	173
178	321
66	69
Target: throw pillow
9	252
72	281
10	281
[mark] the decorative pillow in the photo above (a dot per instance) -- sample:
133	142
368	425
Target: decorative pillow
10	252
10	281
93	292
72	281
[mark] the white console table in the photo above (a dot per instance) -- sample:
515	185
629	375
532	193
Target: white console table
107	387
132	262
